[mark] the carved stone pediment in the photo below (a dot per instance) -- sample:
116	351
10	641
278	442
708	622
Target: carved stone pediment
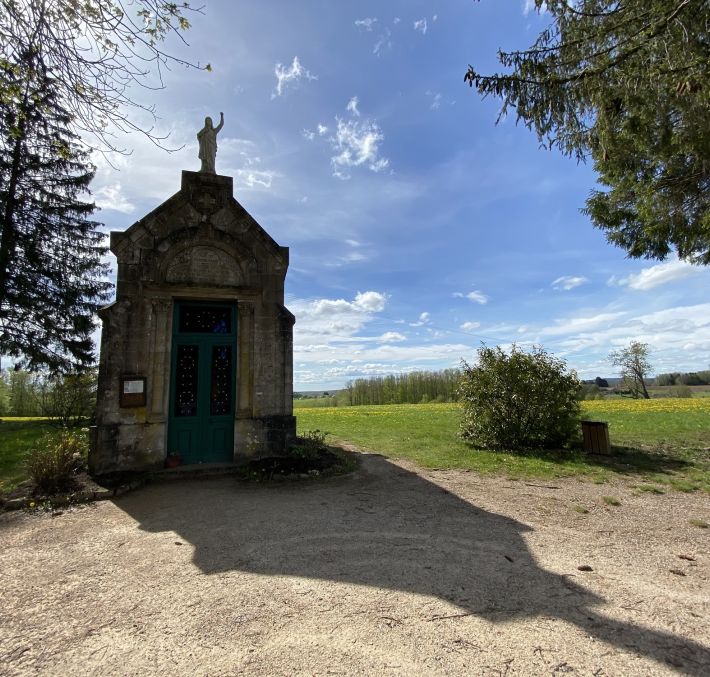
203	265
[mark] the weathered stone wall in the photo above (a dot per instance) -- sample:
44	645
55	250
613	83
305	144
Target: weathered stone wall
199	245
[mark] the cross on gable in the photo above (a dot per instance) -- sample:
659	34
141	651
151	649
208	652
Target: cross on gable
206	200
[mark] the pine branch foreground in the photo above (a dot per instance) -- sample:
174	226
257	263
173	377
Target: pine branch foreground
625	83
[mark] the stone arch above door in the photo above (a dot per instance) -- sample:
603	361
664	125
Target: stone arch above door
204	264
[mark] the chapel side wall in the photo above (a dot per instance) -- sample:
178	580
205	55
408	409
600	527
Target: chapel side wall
128	438
272	428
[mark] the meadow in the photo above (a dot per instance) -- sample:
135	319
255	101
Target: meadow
660	442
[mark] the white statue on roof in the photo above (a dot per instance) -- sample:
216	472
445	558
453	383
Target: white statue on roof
207	138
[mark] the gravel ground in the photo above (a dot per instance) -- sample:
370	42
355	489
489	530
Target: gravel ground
390	570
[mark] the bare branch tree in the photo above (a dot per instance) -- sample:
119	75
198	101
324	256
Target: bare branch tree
97	51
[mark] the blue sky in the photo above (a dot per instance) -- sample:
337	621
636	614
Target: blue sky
417	227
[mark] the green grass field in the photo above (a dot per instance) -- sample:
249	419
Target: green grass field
662	441
17	437
658	443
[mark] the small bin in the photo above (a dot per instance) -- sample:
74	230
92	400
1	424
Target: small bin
596	437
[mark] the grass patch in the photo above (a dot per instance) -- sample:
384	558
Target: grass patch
580	509
649	489
17	438
611	500
662	441
701	524
684	485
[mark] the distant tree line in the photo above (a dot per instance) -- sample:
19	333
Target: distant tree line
691	378
413	388
67	399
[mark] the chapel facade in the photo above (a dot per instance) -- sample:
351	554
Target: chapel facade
197	349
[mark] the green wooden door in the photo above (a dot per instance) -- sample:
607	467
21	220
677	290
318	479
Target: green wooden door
202	382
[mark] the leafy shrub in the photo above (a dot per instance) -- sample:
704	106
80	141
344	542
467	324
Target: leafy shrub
681	391
310	445
53	464
69	399
521	400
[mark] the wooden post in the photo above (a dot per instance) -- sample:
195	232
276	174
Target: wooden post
596	437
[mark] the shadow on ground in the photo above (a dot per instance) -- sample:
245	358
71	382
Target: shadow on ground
388	528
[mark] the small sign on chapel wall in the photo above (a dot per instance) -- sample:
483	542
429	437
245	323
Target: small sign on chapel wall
132	391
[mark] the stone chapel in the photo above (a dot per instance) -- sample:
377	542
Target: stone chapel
197	349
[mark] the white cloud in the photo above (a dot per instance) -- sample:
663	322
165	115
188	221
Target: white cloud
421	26
291	75
435	17
352	106
367	23
567	282
396	20
423	319
678	337
353	243
252	178
322	130
334	318
435	99
575	325
112	197
335	363
475	296
350	257
391	337
371	301
383	42
357	144
308	134
470	326
657	275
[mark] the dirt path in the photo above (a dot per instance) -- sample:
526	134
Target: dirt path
392	570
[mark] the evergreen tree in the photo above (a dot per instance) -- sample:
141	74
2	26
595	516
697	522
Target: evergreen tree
51	272
627	83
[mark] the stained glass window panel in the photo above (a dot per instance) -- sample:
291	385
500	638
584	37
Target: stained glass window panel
205	319
186	381
221	391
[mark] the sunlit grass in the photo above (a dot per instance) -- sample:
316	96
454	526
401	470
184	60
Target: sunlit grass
17	437
660	441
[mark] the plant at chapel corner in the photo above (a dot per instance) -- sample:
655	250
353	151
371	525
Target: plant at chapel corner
54	462
519	400
627	84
